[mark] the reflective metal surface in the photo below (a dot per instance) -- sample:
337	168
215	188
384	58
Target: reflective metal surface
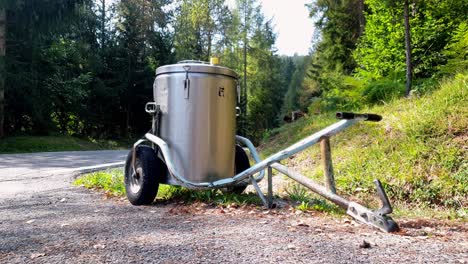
195	67
198	118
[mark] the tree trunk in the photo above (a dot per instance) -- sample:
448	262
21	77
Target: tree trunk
409	64
2	69
103	23
209	47
244	92
361	18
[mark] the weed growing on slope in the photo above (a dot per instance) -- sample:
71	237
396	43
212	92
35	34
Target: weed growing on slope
306	201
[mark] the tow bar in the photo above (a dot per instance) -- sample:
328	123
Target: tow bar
377	218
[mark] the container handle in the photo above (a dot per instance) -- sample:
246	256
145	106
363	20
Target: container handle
186	82
193	62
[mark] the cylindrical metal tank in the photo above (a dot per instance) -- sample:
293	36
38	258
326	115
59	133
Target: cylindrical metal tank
198	118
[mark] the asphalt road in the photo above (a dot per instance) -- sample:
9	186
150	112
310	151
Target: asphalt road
26	174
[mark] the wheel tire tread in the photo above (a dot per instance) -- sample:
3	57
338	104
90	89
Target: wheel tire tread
152	168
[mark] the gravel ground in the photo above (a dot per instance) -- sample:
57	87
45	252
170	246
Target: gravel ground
74	225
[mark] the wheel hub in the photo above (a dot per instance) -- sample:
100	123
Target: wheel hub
135	181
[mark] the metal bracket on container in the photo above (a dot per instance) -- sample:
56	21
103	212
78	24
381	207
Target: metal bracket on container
186	82
151	108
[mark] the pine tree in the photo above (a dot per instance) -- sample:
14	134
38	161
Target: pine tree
2	67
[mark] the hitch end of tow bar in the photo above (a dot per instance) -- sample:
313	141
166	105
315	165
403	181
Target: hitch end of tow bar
361	213
365	117
377	218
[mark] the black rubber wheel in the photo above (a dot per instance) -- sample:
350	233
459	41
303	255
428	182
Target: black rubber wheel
142	183
241	164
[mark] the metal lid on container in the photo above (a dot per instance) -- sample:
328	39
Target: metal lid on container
195	67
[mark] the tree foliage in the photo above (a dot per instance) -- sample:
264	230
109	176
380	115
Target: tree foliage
456	51
32	27
358	55
86	68
200	28
381	49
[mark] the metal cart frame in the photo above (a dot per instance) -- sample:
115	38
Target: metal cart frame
377	218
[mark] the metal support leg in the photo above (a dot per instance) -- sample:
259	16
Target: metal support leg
259	192
270	187
327	164
357	211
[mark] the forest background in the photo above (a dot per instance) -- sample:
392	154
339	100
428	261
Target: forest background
86	67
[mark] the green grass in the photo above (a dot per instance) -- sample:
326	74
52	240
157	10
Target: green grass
112	182
418	150
27	144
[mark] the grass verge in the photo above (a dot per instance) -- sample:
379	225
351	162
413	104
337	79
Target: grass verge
112	182
27	144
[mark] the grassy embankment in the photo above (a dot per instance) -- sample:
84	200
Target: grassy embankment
419	150
27	144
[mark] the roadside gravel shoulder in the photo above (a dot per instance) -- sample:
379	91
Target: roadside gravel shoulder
74	225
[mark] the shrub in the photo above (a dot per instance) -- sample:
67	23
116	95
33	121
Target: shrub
383	91
457	51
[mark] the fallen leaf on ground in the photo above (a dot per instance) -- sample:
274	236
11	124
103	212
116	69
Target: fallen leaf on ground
291	246
99	246
302	224
30	221
37	255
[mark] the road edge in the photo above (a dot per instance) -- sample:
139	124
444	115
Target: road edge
77	172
